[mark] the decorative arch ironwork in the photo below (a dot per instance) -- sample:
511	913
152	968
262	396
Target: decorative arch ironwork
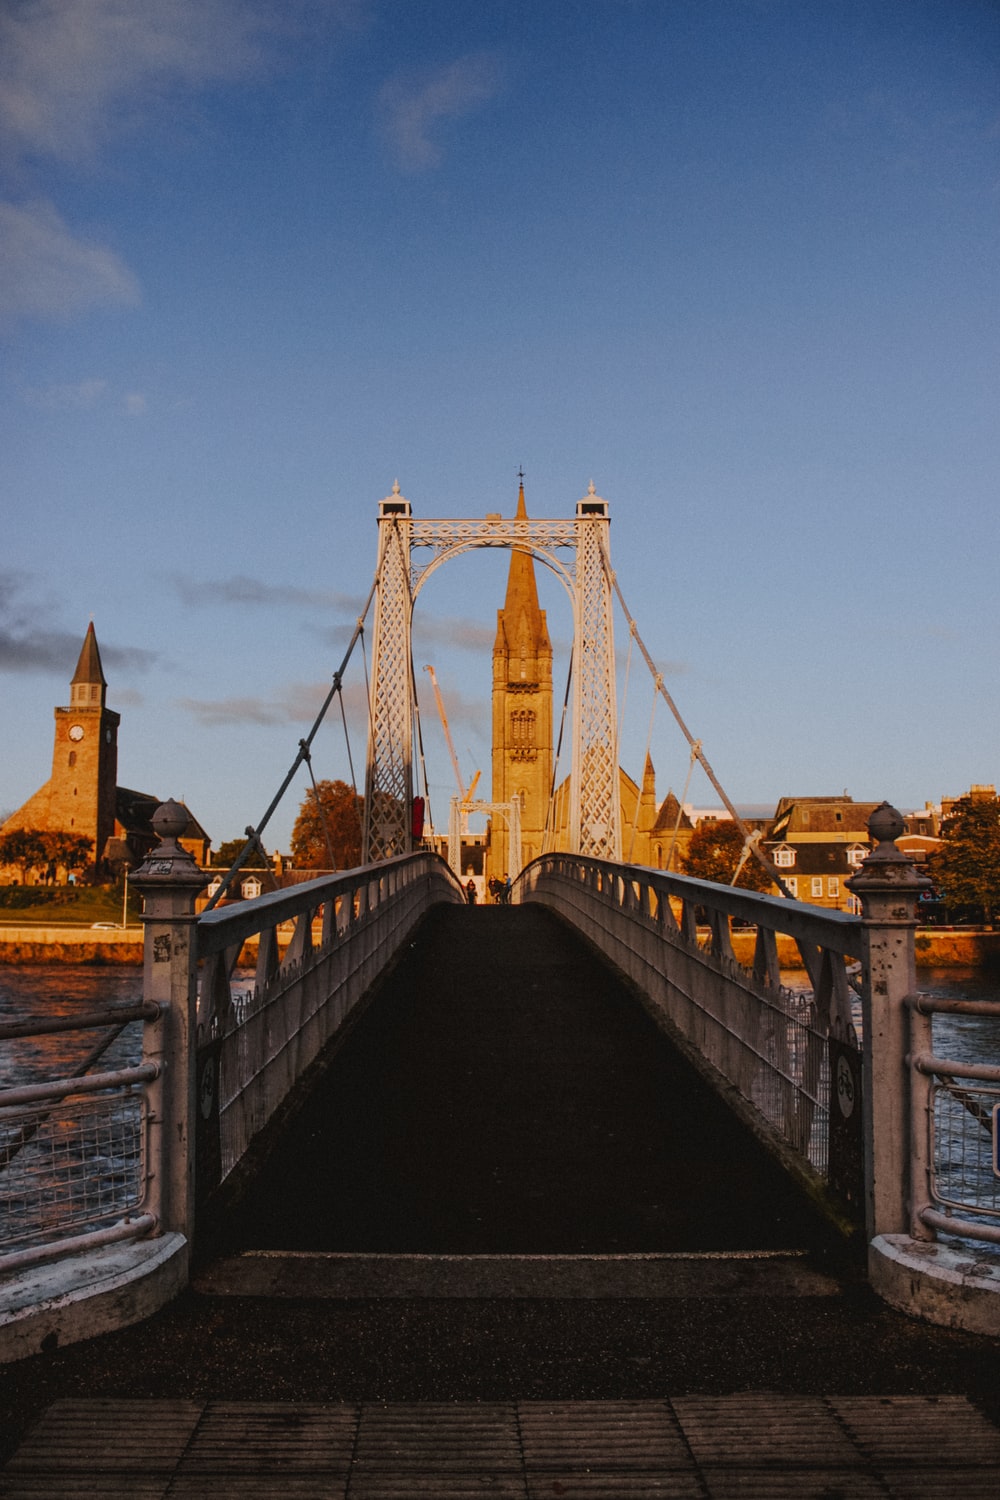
595	823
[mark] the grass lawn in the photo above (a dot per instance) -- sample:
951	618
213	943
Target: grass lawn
65	905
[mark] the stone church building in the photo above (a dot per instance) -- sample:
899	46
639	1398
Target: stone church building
523	750
82	795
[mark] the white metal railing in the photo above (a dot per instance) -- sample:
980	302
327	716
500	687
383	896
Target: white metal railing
255	1043
954	1114
672	936
74	1150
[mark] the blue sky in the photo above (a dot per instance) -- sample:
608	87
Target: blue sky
735	262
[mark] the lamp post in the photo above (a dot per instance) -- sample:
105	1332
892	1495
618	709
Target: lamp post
125	869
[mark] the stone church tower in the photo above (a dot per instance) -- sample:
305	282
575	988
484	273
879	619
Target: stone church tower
80	795
522	711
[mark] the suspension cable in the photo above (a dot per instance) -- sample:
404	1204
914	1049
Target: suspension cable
319	805
420	746
692	759
551	809
253	834
645	758
758	853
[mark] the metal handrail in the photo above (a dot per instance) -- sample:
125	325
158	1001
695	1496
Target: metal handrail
91	1020
61	1088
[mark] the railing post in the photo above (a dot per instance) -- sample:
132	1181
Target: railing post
169	881
888	885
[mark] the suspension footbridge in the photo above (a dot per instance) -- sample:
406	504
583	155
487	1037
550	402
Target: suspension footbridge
436	1100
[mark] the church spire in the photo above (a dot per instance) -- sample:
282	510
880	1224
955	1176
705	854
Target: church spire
522	619
88	684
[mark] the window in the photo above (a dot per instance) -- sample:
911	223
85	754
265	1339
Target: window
522	734
833	886
251	888
856	854
784	858
817	886
793	886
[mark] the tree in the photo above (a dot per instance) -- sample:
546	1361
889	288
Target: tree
230	851
24	848
714	852
342	812
70	850
966	867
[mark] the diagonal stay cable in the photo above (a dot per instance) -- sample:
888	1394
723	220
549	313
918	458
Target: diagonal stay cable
696	749
253	833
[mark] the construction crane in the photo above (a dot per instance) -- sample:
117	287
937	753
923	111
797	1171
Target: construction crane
465	796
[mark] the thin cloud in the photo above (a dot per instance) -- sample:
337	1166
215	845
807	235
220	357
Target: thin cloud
26	646
72	73
48	271
84	395
254	593
58	650
465	635
299	703
410	109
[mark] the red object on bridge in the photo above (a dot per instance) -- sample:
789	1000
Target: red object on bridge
417	818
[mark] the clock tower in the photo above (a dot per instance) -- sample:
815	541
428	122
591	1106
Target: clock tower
83	785
522	711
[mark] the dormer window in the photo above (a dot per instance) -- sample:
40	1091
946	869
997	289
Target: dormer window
784	857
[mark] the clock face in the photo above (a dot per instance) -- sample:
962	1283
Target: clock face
76	731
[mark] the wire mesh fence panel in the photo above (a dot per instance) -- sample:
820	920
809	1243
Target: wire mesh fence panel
962	1156
76	1163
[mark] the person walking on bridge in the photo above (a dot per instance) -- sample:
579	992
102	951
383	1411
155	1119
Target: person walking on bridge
470	891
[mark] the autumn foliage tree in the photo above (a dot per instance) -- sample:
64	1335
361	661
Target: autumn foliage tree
966	867
342	813
44	849
714	852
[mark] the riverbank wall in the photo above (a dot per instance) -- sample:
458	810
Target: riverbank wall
937	947
35	943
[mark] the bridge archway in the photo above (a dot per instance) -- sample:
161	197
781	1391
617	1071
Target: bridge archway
594	793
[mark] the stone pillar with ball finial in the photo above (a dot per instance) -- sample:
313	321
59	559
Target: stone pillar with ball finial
888	885
169	881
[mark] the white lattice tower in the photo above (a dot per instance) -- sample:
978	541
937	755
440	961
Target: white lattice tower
594	795
595	823
389	772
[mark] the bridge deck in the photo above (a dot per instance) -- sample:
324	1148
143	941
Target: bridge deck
506	1094
712	1385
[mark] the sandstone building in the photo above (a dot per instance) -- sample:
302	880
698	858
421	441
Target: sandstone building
82	795
523	755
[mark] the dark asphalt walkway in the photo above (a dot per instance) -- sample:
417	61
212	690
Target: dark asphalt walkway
505	1093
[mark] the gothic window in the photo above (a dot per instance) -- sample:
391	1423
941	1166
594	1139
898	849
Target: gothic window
522	734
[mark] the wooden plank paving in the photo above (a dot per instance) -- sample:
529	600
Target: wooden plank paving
759	1445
